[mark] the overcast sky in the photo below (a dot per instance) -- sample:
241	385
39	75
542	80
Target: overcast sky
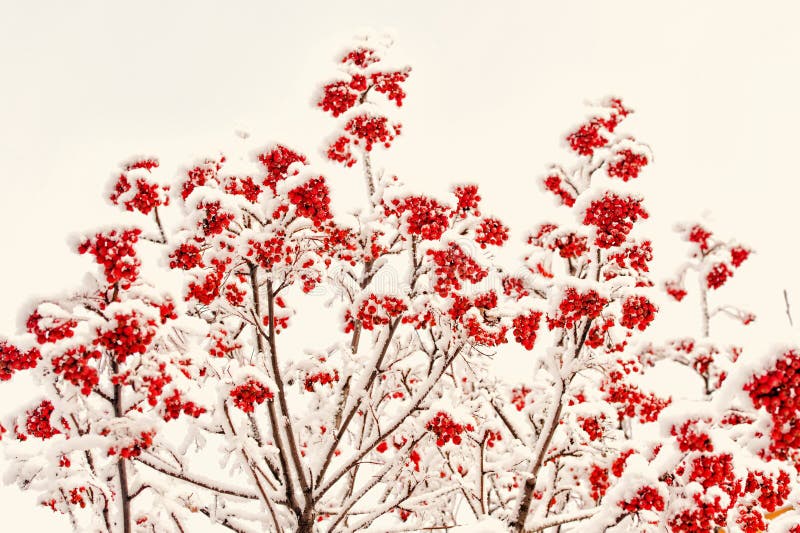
715	86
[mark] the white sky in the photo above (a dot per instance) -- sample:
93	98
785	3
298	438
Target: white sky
715	85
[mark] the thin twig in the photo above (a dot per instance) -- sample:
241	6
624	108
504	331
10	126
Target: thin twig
788	308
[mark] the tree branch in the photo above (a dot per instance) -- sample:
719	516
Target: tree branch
560	520
213	486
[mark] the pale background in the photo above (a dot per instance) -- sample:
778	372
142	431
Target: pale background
495	86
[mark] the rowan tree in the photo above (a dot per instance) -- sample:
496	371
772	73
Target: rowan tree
164	399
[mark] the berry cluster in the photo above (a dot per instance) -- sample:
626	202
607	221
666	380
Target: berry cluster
704	362
375	311
342	243
699	235
592	426
207	290
718	275
613	217
174	406
221	343
553	184
598	481
618	465
365	129
597	334
135	448
368	130
13	359
575	306
691	437
215	220
709	257
185	257
519	397
777	390
339	96
271	252
485	336
323	378
361	57
250	393
637	312
309	279
715	470
735	419
515	287
37	423
542	234
421	320
312	200
153	382
570	245
166	310
700	519
675	289
424	216
114	251
199	175
486	330
445	429
714	491
128	334
142	195
636	256
646	498
146	164
76	496
454	266
626	165
588	137
75	366
339	151
243	187
491	231
751	521
277	162
467	199
388	83
772	491
739	255
525	327
631	402
49	329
